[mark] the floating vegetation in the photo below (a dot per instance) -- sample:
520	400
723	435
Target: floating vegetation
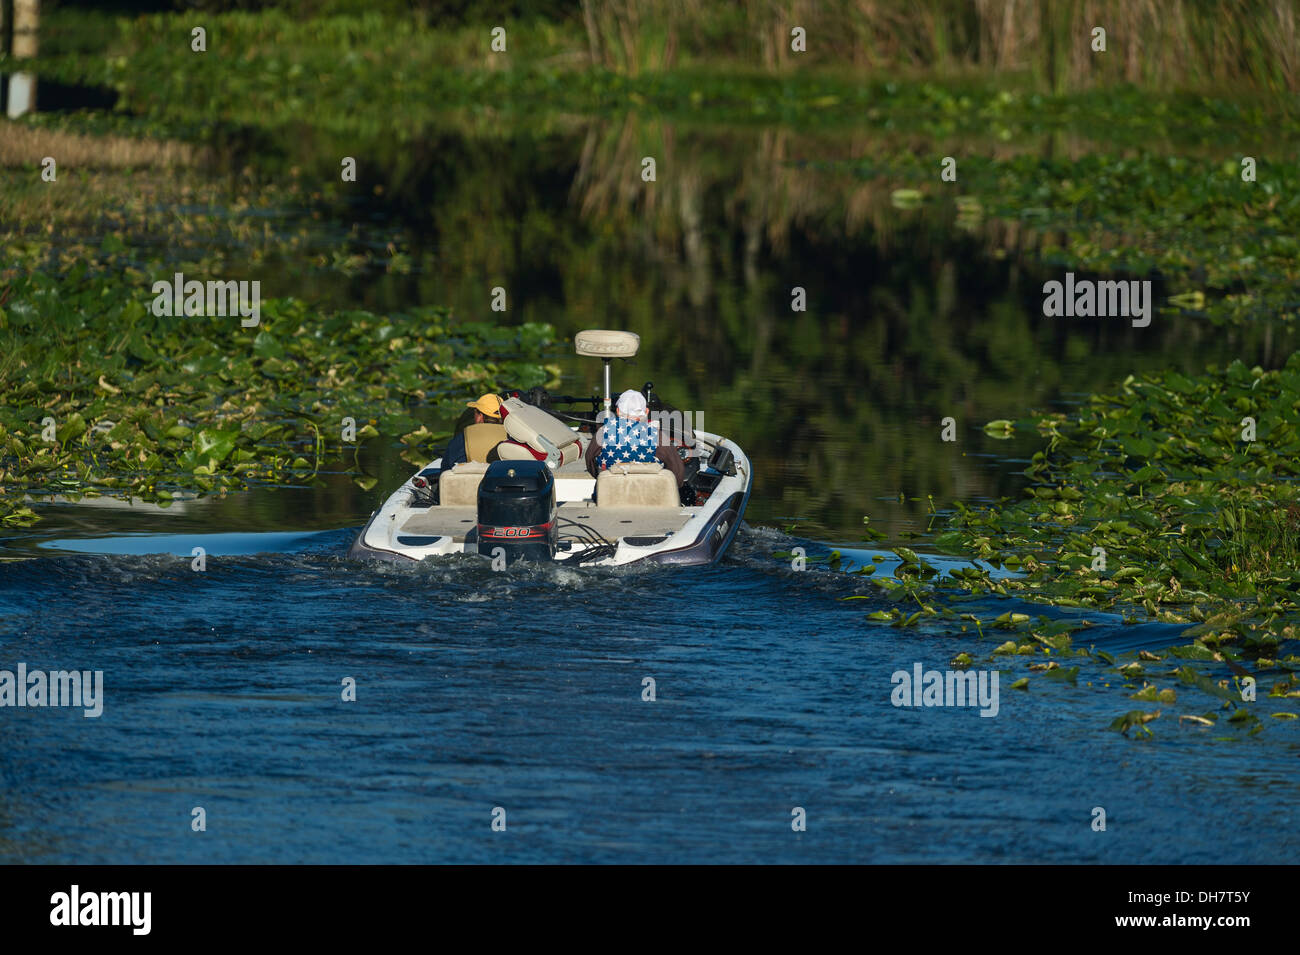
1175	497
1057	651
1229	241
102	396
1174	500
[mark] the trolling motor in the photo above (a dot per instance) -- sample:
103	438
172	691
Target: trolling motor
607	345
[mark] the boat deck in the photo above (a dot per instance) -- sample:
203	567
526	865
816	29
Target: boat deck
610	522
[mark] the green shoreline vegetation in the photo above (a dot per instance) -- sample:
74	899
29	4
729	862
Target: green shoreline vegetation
374	74
1236	45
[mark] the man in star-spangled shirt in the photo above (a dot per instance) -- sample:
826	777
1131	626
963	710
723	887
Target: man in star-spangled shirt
630	437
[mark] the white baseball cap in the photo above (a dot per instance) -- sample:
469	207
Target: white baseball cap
631	404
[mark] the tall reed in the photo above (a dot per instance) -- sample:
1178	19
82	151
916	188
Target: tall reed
1249	44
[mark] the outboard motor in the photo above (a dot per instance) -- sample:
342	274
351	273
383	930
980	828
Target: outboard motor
516	511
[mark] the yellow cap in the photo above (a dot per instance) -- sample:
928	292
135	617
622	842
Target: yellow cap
489	404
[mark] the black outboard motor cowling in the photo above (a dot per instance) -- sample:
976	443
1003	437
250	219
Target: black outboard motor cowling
516	511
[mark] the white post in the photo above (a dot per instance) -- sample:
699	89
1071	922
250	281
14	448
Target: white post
22	94
607	392
22	86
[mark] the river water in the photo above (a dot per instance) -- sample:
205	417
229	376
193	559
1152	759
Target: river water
523	691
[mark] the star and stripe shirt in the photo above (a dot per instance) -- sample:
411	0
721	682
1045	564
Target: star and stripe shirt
623	441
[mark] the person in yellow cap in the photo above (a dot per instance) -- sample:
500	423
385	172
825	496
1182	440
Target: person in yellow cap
479	438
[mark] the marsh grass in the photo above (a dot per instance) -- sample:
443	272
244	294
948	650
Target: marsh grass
26	145
1162	44
373	76
1257	539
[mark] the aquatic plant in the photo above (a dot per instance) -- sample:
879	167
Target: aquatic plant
1174	496
100	395
1222	240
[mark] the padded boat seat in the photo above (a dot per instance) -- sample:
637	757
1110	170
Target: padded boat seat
637	485
459	486
540	431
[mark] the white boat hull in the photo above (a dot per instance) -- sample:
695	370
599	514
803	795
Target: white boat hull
404	529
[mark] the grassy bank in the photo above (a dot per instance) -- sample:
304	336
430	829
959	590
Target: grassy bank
1160	44
1239	45
371	75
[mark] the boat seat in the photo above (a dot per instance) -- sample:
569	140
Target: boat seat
459	486
535	428
637	485
514	451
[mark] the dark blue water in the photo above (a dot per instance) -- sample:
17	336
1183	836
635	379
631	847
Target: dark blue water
523	690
